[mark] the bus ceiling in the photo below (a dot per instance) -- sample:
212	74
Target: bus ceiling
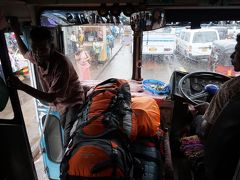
31	10
147	2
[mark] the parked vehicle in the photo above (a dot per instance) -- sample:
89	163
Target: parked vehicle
219	59
233	31
196	43
159	43
222	31
178	30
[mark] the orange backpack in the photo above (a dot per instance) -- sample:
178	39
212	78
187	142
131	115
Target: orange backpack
106	117
107	109
97	159
146	114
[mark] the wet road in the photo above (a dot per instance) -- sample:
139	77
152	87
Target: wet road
120	66
152	68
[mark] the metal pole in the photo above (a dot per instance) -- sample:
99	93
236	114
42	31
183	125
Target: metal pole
137	55
7	71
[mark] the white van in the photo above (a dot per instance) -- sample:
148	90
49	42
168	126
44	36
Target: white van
196	43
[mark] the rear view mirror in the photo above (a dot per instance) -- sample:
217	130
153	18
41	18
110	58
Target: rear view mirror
148	20
4	94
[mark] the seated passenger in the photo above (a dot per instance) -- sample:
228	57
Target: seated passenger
229	89
219	129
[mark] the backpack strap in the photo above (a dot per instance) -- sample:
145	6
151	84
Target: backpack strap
110	121
112	162
64	162
111	80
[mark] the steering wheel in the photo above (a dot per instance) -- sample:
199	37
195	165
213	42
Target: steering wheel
206	91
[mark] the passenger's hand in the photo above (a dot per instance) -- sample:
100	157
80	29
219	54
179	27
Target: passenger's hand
192	110
201	108
14	82
15	26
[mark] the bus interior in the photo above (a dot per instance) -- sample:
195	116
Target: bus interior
120	46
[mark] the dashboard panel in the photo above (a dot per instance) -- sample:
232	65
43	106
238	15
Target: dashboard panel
194	84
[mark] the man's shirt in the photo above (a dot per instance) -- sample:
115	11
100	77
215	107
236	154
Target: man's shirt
61	78
221	99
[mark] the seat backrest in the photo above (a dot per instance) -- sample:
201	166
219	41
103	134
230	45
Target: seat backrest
222	150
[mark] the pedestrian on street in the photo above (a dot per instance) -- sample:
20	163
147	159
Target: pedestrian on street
97	47
110	44
73	40
61	87
82	59
81	37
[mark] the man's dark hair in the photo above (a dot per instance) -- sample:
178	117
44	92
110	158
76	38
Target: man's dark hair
41	33
238	38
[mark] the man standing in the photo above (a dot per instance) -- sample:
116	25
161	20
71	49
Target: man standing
60	84
110	44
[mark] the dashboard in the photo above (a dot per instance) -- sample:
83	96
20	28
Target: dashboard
194	84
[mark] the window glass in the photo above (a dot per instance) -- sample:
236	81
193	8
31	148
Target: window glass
162	58
204	37
182	35
225	60
187	36
20	68
110	49
99	52
98	47
16	64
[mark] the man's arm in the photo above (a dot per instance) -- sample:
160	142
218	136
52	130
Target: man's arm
16	83
48	97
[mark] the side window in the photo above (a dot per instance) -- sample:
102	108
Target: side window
20	68
91	48
187	36
18	65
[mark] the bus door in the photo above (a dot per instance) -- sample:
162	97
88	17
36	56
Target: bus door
15	152
51	132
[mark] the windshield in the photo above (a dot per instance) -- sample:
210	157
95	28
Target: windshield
110	48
